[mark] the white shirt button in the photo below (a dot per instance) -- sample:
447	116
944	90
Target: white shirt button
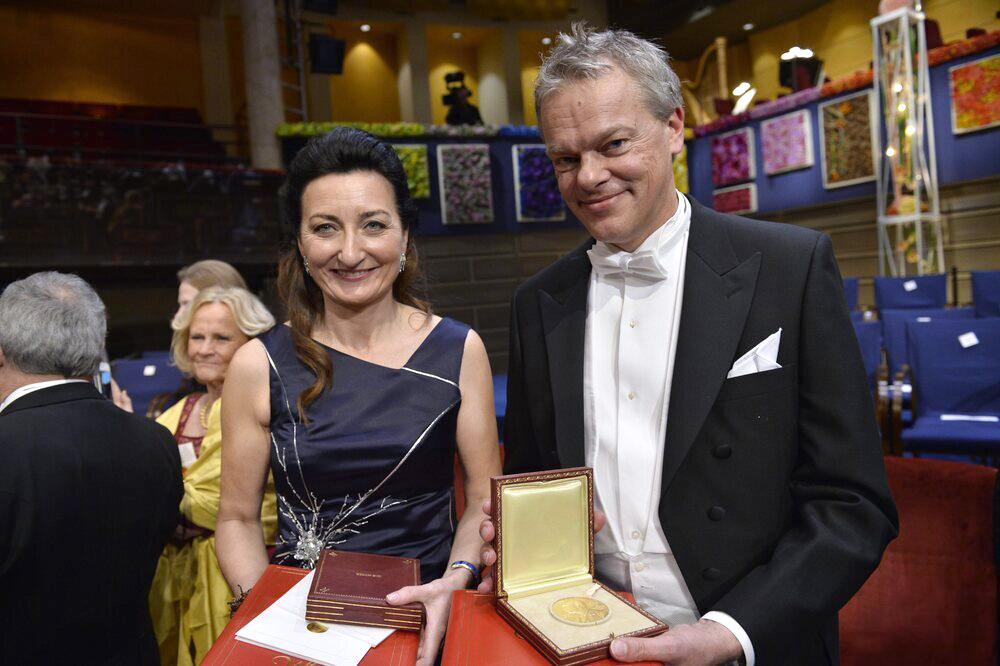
632	323
631	395
639	566
636	534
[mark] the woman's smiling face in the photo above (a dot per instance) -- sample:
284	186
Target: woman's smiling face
351	236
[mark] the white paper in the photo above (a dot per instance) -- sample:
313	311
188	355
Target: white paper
277	629
294	601
759	359
149	371
188	455
983	418
968	340
910	285
282	627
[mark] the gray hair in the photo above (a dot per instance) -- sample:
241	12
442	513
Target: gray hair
52	324
251	317
586	54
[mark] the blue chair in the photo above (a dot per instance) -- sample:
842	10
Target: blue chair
922	291
851	293
146	378
986	293
869	335
500	401
894	330
956	388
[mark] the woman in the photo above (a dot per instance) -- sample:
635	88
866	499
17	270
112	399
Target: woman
201	275
360	401
191	279
189	596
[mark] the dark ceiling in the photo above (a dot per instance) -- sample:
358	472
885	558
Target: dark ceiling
686	27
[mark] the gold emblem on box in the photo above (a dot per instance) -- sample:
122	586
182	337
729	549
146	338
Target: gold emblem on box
580	611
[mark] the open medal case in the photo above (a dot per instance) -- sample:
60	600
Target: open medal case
544	574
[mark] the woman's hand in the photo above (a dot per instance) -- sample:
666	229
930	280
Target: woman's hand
436	598
120	397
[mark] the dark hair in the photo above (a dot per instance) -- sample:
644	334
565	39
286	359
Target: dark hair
341	150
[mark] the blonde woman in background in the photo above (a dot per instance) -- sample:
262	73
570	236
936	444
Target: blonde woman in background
189	597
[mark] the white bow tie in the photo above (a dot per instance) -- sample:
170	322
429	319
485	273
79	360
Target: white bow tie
642	264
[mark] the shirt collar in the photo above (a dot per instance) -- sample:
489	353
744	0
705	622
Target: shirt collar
658	244
22	391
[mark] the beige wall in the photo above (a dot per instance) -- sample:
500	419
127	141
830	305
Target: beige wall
367	89
98	56
839	33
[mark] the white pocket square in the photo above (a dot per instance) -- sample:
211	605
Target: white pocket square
762	357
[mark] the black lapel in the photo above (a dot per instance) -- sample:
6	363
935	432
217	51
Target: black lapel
563	310
718	289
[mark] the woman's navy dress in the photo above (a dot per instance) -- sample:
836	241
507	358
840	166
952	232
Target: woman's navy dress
373	471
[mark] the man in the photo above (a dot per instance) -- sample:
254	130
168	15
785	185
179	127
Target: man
704	365
88	492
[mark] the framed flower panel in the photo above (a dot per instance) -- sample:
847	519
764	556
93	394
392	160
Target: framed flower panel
735	199
414	159
465	180
786	142
846	140
536	193
975	94
733	157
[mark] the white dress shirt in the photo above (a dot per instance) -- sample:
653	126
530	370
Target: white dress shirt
633	315
22	391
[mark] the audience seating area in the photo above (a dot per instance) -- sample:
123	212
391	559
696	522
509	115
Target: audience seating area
90	129
934	370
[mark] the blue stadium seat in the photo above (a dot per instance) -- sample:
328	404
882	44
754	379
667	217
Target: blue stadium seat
870	340
144	378
922	291
986	293
894	330
500	401
956	387
851	293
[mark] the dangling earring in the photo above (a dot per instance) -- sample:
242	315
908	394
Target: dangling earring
305	264
402	262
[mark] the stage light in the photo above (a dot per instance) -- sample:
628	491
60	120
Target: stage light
365	27
897	87
546	40
910	130
901	107
748	26
890	151
456	35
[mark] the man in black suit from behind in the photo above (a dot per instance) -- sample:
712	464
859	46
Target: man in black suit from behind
88	492
705	366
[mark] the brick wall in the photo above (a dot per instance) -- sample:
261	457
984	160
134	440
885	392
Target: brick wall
473	278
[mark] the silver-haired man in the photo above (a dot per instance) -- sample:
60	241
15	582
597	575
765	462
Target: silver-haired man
88	492
705	366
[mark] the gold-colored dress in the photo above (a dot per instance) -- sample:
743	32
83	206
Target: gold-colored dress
189	597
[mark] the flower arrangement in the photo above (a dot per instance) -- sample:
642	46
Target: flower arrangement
975	95
845	136
786	142
464	176
732	157
414	159
376	129
537	195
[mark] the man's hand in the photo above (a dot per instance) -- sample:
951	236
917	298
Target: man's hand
489	556
705	643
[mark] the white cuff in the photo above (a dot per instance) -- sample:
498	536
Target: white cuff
727	621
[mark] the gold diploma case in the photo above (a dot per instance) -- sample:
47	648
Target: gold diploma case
544	574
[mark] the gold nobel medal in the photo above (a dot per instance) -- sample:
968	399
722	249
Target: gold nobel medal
581	611
316	627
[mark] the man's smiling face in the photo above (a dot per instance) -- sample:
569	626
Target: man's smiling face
612	157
